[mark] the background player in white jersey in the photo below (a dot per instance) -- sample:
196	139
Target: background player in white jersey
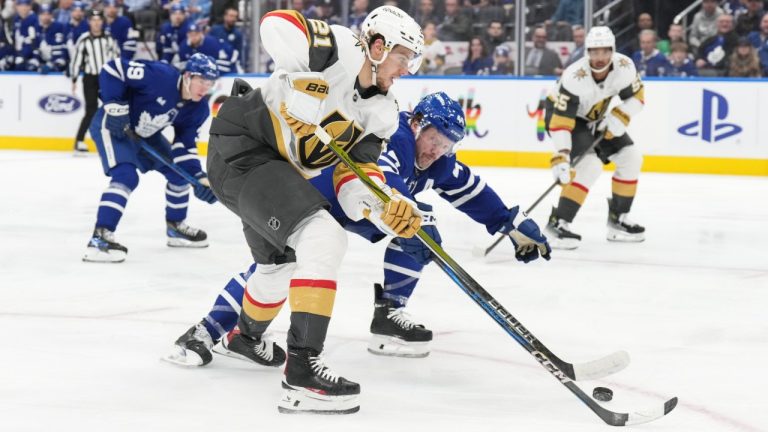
420	156
262	149
577	112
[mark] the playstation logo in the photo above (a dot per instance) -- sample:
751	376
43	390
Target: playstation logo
714	108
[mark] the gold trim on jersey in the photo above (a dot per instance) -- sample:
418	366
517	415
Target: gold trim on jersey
558	122
313	154
598	110
574	193
342	172
624	188
621	115
640	95
279	136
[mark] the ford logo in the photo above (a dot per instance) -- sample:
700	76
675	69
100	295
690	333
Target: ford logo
59	104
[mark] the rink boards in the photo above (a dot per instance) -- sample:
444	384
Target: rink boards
688	126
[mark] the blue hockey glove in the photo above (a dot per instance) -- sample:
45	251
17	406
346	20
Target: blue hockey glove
203	190
117	118
413	246
527	238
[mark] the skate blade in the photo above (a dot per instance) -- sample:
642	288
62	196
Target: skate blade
300	401
391	346
97	255
183	358
622	237
564	244
184	243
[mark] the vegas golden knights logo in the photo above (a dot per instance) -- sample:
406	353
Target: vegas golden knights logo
315	155
598	110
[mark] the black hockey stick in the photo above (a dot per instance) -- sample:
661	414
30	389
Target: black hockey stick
509	323
484	252
160	158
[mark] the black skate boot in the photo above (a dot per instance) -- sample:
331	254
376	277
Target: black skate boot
621	229
102	247
311	387
261	351
182	235
80	149
193	348
393	331
559	233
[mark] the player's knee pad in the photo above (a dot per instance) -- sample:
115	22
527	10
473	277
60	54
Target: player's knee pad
269	283
588	170
126	175
628	162
320	243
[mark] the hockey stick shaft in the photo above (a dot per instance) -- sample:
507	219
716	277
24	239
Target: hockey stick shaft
161	158
485	300
542	196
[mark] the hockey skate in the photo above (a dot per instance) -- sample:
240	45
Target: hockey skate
193	348
621	229
394	333
80	149
103	248
262	351
311	387
559	233
182	235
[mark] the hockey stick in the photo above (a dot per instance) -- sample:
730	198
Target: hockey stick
559	369
482	252
160	158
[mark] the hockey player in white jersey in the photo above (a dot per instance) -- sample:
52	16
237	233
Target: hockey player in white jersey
262	150
577	112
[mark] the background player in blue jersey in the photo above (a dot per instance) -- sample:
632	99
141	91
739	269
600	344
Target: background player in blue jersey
146	97
420	156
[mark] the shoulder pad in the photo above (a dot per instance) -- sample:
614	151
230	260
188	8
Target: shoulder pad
240	87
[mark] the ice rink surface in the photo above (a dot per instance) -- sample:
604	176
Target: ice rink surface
690	305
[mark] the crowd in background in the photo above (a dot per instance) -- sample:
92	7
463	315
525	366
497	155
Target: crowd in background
724	38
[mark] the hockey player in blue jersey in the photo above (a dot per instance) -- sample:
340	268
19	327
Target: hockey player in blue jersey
25	36
76	26
6	46
227	33
146	97
172	33
120	28
199	42
50	45
420	156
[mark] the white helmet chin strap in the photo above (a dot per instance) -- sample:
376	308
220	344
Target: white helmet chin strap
601	70
185	83
374	63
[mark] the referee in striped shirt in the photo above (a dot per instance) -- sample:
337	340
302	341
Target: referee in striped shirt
92	51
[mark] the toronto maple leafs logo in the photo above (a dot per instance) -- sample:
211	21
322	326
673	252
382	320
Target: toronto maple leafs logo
149	125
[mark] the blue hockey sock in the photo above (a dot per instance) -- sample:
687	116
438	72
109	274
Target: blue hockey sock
225	311
401	274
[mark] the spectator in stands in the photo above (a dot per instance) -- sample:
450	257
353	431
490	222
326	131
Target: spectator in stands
715	51
50	43
734	7
24	35
456	25
494	34
197	41
569	12
482	11
750	20
649	61
121	29
681	62
759	37
676	33
63	13
199	11
77	25
704	23
357	14
644	22
218	8
228	33
744	61
172	33
134	6
502	63
324	12
478	61
434	51
578	50
540	60
426	12
6	46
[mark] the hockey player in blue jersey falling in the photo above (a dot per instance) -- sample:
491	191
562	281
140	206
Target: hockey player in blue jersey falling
420	156
147	97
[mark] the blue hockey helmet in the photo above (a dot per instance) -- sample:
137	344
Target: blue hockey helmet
444	114
203	65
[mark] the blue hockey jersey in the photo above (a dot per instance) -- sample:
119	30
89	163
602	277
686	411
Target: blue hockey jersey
224	56
74	31
451	179
231	37
124	34
654	65
50	47
153	92
169	40
24	37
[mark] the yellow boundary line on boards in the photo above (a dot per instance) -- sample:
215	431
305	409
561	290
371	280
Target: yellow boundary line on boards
651	163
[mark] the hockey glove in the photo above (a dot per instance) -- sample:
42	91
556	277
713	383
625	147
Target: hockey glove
561	168
413	246
306	100
399	217
117	119
203	190
613	125
527	238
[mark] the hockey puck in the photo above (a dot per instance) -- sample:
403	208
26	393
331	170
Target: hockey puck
603	394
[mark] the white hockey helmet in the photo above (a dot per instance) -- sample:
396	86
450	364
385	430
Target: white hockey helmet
397	28
600	37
